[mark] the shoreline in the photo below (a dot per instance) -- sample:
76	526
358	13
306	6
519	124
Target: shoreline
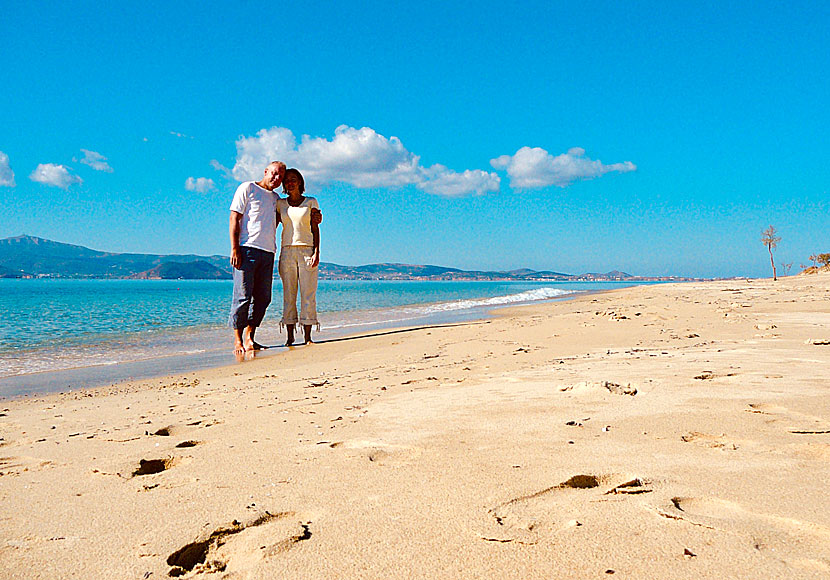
664	431
97	325
143	369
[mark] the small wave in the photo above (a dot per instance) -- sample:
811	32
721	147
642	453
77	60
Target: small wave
52	360
362	323
527	296
406	314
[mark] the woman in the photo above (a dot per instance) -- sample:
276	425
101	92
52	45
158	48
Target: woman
299	256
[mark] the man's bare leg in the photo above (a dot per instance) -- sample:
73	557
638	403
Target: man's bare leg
250	343
290	329
307	332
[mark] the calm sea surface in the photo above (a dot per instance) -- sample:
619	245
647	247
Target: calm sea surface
47	326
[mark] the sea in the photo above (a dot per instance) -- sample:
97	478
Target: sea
61	334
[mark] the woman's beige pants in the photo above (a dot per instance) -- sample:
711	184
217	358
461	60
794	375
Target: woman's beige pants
296	271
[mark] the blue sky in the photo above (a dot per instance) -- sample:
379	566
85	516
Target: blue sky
572	136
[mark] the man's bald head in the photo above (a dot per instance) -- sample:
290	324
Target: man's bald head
273	175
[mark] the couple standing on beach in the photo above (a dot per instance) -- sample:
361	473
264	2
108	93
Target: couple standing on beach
256	211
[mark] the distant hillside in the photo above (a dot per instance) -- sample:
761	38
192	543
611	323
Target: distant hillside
198	270
7	273
392	271
612	275
28	256
40	257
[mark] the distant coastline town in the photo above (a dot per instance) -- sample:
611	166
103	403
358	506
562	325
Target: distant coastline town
32	257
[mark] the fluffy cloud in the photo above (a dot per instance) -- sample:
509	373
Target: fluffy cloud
448	183
6	173
534	167
200	184
54	175
360	157
95	160
253	154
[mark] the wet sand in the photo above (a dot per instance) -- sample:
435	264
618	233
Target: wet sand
671	431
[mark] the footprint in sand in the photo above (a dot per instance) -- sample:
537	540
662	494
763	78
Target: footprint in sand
153	466
800	423
764	531
709	440
623	388
710	375
766	409
19	464
179	430
241	548
378	452
523	518
165	431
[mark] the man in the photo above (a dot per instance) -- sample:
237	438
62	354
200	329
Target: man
253	230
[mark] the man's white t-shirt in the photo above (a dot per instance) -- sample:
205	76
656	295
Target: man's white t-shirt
296	222
258	207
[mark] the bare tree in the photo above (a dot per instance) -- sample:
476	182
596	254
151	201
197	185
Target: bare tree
786	267
814	259
770	240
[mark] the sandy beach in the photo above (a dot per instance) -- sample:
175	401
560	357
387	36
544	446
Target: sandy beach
667	431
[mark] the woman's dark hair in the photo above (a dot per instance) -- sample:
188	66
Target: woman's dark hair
299	176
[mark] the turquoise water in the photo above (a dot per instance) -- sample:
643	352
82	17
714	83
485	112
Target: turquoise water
50	325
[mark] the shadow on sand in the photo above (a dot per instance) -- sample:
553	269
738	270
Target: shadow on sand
386	333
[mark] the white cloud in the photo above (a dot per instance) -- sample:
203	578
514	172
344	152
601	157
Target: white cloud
95	160
200	184
253	154
6	173
54	175
221	168
180	135
534	167
360	157
448	183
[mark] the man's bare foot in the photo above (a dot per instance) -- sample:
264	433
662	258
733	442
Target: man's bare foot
290	340
239	343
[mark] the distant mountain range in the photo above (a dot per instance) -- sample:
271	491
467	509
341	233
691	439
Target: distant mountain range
31	257
28	256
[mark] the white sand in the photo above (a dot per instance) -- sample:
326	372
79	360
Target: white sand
672	431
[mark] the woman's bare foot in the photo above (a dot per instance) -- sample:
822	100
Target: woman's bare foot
307	332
